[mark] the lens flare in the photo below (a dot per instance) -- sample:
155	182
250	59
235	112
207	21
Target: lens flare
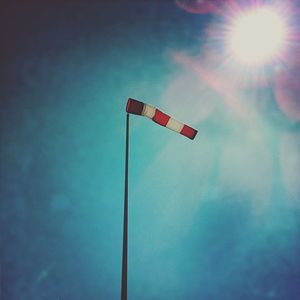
257	36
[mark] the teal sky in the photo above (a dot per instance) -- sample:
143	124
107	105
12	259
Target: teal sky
215	218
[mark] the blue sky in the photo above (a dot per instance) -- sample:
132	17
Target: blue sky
213	218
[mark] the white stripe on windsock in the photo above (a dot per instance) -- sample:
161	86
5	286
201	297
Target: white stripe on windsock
148	111
175	125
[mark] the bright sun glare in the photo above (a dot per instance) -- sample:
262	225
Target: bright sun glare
257	36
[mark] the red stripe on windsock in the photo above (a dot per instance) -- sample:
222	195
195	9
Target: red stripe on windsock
161	118
134	106
188	132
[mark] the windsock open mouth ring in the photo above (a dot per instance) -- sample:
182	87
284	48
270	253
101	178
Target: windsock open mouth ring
139	108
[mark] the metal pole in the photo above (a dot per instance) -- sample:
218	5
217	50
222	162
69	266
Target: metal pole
125	224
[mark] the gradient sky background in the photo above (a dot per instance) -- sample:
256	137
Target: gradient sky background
215	218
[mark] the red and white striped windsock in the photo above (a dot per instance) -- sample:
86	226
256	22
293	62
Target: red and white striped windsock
139	108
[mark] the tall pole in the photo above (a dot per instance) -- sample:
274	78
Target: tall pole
125	224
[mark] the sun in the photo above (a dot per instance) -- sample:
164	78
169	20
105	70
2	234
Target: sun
257	36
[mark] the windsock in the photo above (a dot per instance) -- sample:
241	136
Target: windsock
139	108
